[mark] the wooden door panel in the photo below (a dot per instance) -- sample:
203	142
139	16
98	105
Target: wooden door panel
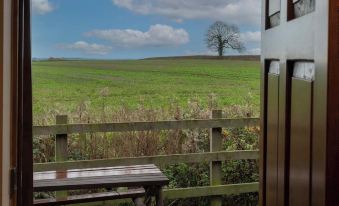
272	138
300	142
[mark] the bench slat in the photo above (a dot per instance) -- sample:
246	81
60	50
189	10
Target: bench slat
90	174
100	182
127	176
132	193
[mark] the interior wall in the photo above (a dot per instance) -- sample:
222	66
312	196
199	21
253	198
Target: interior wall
5	59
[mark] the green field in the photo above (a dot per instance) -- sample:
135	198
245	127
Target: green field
63	85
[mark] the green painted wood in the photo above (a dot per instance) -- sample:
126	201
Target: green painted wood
180	193
144	126
215	166
232	189
157	160
61	141
106	203
61	153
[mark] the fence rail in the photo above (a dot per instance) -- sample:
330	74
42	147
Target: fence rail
231	189
157	160
144	126
215	156
192	192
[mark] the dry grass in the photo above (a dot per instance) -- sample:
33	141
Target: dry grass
132	144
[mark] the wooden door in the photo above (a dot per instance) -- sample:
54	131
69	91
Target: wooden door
295	35
300	135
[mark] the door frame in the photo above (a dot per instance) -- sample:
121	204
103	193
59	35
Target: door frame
1	95
22	117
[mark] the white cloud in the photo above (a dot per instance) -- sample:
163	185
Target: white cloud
41	6
157	36
251	37
231	11
87	48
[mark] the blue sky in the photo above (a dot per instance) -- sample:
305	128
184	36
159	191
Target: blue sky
132	29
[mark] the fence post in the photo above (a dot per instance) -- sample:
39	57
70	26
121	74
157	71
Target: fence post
215	167
61	153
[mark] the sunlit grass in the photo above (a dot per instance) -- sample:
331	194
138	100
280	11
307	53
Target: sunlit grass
153	83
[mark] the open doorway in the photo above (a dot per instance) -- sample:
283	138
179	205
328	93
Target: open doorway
126	87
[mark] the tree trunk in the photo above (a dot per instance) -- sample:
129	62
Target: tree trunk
220	46
221	51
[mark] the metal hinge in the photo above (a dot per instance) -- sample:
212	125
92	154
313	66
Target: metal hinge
13	181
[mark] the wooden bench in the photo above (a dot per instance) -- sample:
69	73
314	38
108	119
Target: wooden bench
144	181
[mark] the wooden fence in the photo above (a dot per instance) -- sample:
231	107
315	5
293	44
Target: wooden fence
61	130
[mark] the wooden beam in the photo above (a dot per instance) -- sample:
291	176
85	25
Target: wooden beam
61	141
128	201
157	160
215	166
61	153
232	189
180	193
144	126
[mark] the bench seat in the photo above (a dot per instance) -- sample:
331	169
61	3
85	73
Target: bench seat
75	199
94	178
148	179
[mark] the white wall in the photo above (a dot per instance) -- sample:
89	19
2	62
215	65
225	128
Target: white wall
6	104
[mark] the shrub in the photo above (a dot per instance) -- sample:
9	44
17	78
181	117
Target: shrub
132	144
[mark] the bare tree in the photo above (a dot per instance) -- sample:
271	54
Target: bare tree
221	36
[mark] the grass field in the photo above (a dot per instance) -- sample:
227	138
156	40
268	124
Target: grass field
63	85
